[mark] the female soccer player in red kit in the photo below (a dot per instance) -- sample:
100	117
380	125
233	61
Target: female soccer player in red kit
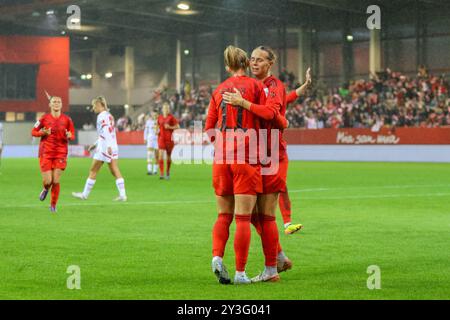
55	130
167	124
236	184
261	62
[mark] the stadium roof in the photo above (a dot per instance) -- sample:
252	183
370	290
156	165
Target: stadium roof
118	21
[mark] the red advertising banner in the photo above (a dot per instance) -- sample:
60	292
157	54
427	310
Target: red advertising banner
341	136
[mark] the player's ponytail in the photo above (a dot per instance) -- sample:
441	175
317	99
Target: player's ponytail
235	58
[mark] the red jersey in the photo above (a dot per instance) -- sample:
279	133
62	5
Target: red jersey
276	100
227	117
54	145
166	134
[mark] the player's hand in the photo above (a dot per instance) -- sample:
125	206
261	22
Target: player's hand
234	99
46	131
109	151
68	134
91	147
166	126
308	78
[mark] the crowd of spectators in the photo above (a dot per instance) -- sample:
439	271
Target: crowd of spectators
387	99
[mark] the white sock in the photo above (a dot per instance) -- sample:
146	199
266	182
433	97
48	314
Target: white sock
217	258
240	273
155	168
120	183
88	187
149	168
287	224
270	270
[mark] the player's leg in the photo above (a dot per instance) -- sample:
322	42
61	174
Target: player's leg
220	235
120	182
150	160
56	176
161	163
244	205
285	203
1	150
90	182
46	182
169	158
267	204
222	182
155	159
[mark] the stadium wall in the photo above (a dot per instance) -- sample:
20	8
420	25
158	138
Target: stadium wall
51	54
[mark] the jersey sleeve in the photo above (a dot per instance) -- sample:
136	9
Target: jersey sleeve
280	122
173	121
291	97
36	131
272	106
71	129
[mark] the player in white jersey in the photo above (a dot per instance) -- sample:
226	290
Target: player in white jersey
1	142
106	150
151	138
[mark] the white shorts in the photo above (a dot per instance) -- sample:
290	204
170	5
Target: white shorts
105	157
152	142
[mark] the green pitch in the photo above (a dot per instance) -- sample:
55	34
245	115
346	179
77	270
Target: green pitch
158	245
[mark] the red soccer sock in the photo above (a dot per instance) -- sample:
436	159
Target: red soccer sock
270	240
220	233
161	167
55	194
168	167
285	206
256	222
242	240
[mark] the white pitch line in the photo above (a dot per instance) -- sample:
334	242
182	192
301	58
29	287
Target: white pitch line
138	203
372	187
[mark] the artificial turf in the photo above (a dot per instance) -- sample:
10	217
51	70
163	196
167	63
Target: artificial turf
158	244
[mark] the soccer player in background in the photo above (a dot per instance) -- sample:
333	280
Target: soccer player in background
106	150
167	123
283	201
55	130
236	185
261	62
151	138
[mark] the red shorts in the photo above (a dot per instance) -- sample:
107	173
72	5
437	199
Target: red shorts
231	179
166	145
48	164
277	182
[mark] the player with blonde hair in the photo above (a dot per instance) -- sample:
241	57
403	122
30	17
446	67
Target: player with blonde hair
106	150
